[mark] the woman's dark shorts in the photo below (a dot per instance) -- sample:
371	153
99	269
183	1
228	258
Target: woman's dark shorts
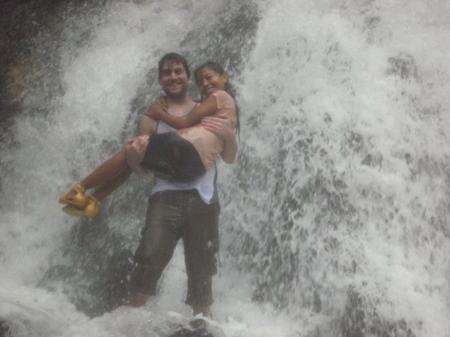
173	158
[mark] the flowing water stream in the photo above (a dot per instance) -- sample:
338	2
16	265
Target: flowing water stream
335	222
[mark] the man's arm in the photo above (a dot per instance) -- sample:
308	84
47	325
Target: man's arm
223	131
206	108
230	150
147	126
137	146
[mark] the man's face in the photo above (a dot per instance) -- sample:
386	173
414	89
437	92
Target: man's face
173	79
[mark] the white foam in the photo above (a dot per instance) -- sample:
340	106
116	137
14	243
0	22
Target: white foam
320	72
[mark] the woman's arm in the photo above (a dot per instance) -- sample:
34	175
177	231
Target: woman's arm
205	108
223	131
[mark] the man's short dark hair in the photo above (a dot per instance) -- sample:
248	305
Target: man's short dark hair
173	57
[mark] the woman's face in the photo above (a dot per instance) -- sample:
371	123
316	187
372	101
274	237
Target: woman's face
209	80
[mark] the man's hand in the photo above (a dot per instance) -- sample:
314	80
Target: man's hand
136	148
135	152
221	128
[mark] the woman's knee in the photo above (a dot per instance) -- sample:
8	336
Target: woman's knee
134	152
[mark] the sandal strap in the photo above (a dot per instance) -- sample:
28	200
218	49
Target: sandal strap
79	188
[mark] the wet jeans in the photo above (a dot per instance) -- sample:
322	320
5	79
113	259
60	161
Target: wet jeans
172	215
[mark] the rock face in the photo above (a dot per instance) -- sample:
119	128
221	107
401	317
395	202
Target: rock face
4	329
191	333
21	23
198	328
30	33
360	319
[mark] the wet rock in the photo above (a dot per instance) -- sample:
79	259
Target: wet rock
403	65
21	22
360	319
30	36
198	328
5	329
183	332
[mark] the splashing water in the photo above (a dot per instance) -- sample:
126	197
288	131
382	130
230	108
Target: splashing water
345	168
335	221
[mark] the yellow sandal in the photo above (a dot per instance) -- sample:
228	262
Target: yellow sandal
91	210
75	197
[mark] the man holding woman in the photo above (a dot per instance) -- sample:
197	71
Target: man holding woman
187	210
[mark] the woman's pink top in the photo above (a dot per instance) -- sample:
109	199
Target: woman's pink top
207	144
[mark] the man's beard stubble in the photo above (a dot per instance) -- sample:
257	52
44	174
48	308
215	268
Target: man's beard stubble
176	96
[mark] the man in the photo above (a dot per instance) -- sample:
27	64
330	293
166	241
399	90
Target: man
181	210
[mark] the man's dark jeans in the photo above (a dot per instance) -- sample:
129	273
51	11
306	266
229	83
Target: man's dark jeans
172	215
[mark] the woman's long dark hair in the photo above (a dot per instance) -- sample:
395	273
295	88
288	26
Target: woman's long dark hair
214	66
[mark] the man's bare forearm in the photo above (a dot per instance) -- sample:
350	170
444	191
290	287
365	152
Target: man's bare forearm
147	127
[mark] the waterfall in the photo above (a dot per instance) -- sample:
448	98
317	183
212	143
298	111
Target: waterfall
334	221
341	206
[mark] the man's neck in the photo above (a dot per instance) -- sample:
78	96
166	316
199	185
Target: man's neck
178	101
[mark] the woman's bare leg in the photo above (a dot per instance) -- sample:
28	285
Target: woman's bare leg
121	165
107	171
106	189
109	175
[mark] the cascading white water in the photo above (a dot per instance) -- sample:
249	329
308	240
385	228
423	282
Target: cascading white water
343	196
334	223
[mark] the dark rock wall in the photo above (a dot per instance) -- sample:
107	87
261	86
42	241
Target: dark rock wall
30	35
22	22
